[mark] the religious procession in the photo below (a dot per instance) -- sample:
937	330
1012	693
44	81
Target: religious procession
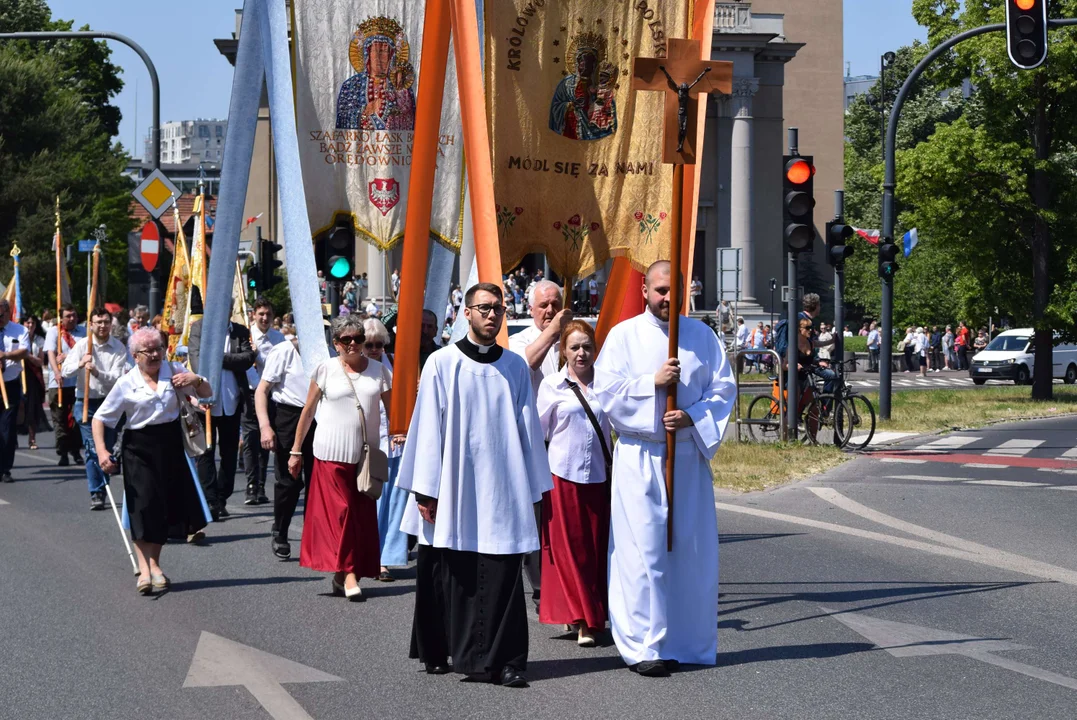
563	470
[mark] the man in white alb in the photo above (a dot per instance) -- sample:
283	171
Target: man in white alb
663	604
476	464
538	345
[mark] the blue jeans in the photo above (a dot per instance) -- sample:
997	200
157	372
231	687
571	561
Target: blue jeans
829	376
95	476
391	505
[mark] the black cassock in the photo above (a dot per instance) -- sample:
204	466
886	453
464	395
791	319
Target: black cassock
469	606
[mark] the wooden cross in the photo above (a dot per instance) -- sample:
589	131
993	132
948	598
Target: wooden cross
682	76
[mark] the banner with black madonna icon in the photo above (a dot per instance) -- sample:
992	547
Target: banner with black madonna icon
356	80
577	154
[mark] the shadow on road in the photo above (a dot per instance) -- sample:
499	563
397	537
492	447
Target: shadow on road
239	582
726	538
816	651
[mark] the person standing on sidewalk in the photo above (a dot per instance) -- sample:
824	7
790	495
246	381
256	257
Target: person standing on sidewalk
874	344
62	391
106	361
16	342
256	458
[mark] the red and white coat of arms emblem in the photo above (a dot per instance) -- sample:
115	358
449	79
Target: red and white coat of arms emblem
384	193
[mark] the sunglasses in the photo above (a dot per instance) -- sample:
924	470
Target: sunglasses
375	345
350	340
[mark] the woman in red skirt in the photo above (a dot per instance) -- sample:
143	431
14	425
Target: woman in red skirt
340	533
576	513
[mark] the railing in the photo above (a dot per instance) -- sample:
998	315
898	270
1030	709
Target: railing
781	391
733	17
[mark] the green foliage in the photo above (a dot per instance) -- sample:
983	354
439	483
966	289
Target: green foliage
56	125
279	295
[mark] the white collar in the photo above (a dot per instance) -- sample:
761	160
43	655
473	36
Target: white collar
654	319
483	349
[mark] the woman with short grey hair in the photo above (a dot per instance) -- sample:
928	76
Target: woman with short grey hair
391	504
340	534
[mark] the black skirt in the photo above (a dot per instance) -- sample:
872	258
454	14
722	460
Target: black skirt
470	606
157	483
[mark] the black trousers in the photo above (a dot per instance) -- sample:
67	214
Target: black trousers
68	437
219	484
286	489
481	619
255	459
9	440
533	561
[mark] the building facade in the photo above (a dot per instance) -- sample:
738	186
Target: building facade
189	142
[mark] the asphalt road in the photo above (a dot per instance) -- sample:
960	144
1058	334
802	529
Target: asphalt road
894	587
869	382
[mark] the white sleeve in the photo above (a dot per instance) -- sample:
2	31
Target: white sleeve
420	465
631	403
710	414
113	406
546	403
531	439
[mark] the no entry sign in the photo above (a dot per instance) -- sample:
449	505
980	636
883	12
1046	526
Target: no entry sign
151	245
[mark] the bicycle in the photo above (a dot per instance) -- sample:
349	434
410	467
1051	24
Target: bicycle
861	412
822	418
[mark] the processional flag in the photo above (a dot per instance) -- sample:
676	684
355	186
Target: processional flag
356	66
179	283
577	155
199	265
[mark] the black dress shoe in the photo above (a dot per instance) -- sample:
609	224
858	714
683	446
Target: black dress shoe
651	668
7	478
64	462
513	678
250	498
223	511
438	668
262	499
282	549
77	459
97	501
673	665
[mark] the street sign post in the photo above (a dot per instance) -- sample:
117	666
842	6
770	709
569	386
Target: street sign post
156	193
150	246
87	245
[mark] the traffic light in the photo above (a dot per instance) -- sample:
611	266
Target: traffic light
888	253
268	264
837	234
1026	32
340	252
254	278
798	201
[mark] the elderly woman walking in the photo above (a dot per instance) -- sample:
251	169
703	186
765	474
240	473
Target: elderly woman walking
391	504
157	482
576	513
340	534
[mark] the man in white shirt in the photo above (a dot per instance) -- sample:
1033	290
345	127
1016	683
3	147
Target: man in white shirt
279	401
592	292
395	283
238	357
106	360
256	459
741	342
59	341
474	501
372	309
538	345
16	344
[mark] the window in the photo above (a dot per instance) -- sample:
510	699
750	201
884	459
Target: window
203	131
220	131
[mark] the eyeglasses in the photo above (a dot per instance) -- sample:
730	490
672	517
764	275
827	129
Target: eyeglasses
374	345
485	309
350	339
150	351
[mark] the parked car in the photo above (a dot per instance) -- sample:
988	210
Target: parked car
517	325
1010	356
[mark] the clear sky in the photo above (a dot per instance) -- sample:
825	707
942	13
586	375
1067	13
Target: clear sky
196	80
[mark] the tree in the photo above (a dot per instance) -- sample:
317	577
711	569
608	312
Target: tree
56	125
996	185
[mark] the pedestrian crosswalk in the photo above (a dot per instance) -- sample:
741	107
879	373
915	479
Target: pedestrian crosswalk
910	381
980	452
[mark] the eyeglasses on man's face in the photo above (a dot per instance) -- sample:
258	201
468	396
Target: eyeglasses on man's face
150	351
485	309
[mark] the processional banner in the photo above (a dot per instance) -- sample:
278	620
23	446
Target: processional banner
356	69
577	154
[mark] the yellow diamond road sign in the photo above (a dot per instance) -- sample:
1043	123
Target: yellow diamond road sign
156	193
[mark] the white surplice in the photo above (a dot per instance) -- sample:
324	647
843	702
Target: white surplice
475	444
663	605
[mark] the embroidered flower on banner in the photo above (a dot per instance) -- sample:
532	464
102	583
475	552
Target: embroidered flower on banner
506	217
649	224
575	231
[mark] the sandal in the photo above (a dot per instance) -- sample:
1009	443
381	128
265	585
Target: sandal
144	587
159	582
385	576
33	446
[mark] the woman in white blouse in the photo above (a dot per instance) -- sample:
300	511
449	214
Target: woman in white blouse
576	513
157	481
391	504
340	533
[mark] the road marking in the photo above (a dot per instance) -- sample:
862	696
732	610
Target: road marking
951	442
974	460
902	460
1015	448
906	640
989	466
4	502
1069	454
926	478
38	458
221	662
1072	488
883	437
1005	483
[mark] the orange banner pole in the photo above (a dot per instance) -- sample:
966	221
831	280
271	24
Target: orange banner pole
465	35
616	288
424	154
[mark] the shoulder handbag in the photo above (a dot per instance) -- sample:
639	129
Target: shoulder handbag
194	428
598	428
373	469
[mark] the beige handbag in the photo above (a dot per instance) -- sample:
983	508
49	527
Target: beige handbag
373	469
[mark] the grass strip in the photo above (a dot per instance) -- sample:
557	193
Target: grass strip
937	410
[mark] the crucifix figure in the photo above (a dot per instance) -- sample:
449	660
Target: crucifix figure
669	75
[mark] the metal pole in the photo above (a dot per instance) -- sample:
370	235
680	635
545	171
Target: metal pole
155	133
792	330
839	291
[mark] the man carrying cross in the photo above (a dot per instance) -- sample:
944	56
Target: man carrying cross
663	604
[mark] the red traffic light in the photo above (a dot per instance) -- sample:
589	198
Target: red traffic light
799	172
1025	4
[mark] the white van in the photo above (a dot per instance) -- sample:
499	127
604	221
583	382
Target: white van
1010	357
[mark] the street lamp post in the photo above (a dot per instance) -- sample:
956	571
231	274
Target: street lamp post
773	287
100	236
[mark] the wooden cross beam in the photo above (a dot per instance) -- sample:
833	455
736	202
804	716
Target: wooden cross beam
682	76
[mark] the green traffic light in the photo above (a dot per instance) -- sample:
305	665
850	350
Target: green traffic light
340	268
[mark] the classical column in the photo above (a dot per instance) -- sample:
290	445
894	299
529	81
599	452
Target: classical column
375	271
740	183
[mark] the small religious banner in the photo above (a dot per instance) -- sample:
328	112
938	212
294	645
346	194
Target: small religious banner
577	155
356	79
